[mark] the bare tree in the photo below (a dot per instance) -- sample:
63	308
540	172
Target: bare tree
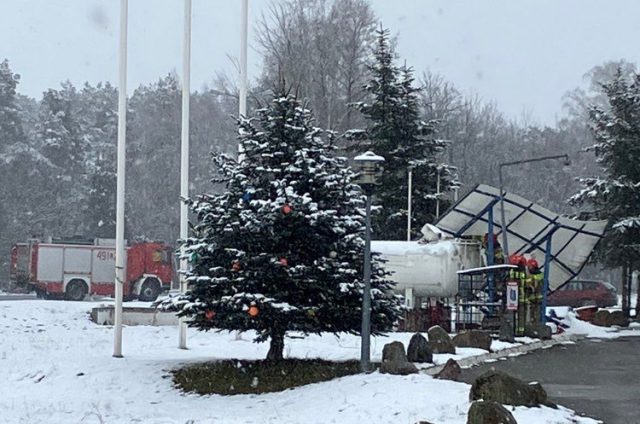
320	48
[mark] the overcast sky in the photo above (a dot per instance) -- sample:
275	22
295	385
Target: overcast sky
522	54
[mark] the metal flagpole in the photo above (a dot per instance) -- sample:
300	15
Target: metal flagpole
184	160
242	103
243	58
122	134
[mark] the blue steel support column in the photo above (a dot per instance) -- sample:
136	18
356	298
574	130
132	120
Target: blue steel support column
490	254
545	276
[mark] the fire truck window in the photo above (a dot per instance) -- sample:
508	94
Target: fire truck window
159	256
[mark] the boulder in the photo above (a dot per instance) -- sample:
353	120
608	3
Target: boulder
394	360
602	318
505	389
394	352
507	333
451	371
418	350
538	330
489	412
618	318
398	368
473	338
439	340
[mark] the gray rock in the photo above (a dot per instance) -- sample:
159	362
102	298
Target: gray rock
439	341
505	389
473	338
507	331
538	330
418	350
394	360
451	371
489	412
394	352
602	318
618	318
398	368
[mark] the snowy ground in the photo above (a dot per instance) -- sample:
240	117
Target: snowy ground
56	367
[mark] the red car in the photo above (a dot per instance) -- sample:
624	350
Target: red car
576	293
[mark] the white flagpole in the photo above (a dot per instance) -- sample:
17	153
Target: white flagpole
184	160
244	29
121	162
243	57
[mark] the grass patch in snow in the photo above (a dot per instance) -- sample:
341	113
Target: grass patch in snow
233	377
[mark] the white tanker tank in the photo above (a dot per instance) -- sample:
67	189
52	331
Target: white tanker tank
428	269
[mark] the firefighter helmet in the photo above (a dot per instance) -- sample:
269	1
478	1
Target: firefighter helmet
516	259
532	264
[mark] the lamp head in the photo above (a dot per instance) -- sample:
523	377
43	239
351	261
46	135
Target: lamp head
370	166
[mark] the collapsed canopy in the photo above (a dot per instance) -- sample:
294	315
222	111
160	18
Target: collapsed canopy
528	227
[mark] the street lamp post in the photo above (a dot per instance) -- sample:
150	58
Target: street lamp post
369	164
503	224
409	191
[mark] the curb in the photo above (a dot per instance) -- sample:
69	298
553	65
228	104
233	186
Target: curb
477	360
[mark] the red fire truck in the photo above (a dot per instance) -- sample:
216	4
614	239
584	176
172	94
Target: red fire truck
72	270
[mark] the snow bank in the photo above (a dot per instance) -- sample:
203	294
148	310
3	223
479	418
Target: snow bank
56	367
577	326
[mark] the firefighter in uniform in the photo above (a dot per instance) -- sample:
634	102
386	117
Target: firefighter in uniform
534	291
498	255
519	275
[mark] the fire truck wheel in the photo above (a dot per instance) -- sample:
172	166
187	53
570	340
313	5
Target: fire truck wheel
150	290
76	290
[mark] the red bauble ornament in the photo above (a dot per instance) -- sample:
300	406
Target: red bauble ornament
235	266
209	315
284	262
253	311
286	209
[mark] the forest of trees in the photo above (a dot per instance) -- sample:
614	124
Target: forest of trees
57	153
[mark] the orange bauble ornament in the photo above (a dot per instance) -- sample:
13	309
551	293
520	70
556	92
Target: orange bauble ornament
209	315
253	311
286	209
283	261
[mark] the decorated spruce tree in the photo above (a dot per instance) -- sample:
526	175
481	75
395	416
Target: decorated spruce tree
281	249
396	131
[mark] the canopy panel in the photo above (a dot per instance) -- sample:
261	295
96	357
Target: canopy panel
528	227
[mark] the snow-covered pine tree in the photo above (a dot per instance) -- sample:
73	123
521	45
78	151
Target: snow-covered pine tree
11	131
281	249
615	195
99	124
61	141
396	132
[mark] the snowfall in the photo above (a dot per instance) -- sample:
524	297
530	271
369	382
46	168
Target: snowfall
56	366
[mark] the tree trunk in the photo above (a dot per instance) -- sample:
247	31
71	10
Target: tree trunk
625	290
276	347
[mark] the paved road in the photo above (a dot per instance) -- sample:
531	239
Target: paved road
600	379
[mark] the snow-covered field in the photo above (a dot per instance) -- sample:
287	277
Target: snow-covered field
56	367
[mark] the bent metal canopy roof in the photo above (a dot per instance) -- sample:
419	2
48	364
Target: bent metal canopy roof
528	227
